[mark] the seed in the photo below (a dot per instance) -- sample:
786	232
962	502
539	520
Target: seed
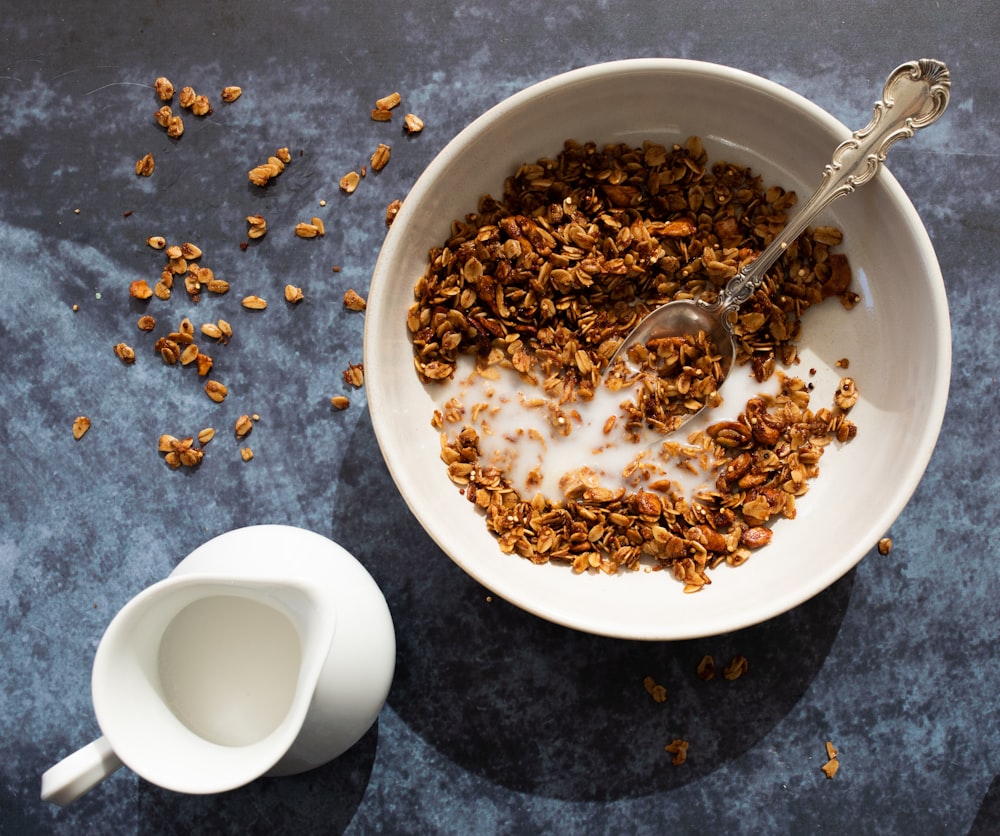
206	435
157	242
80	426
320	226
125	353
217	286
189	355
884	546
139	289
244	424
339	402
254	303
380	158
231	93
353	301
164	89
145	166
246	453
212	331
226	329
413	124
293	294
216	391
380	114
349	182
190	251
388	102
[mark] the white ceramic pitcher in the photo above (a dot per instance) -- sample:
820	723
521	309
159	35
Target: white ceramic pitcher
268	651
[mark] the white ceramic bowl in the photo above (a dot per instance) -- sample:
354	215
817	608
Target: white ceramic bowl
898	340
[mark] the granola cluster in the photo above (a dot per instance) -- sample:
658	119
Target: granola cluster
548	280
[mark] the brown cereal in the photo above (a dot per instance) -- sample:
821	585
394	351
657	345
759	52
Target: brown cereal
353	300
254	303
349	182
737	666
244	425
380	158
706	668
164	89
388	102
258	226
306	230
413	124
657	692
175	127
231	93
216	391
125	353
354	375
548	279
140	289
80	426
145	166
678	748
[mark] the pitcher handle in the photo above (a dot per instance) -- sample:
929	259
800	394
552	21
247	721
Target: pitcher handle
80	772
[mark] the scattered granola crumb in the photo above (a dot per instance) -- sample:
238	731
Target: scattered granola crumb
243	427
80	426
833	762
125	353
354	375
391	211
257	226
843	363
353	301
349	182
246	453
706	668
164	89
736	668
339	402
254	303
885	546
293	294
180	451
231	94
380	158
76	308
216	391
413	124
678	748
657	692
261	175
145	166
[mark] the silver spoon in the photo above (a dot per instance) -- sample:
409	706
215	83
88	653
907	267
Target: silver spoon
914	96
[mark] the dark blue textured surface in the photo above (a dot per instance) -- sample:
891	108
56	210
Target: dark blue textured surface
497	722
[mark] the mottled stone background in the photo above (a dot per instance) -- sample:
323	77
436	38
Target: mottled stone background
497	722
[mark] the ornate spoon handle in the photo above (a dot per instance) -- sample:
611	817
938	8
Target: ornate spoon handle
914	96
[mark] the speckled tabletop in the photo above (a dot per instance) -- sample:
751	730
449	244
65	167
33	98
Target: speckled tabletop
497	722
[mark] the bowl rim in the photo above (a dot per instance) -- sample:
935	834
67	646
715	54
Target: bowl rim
910	475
